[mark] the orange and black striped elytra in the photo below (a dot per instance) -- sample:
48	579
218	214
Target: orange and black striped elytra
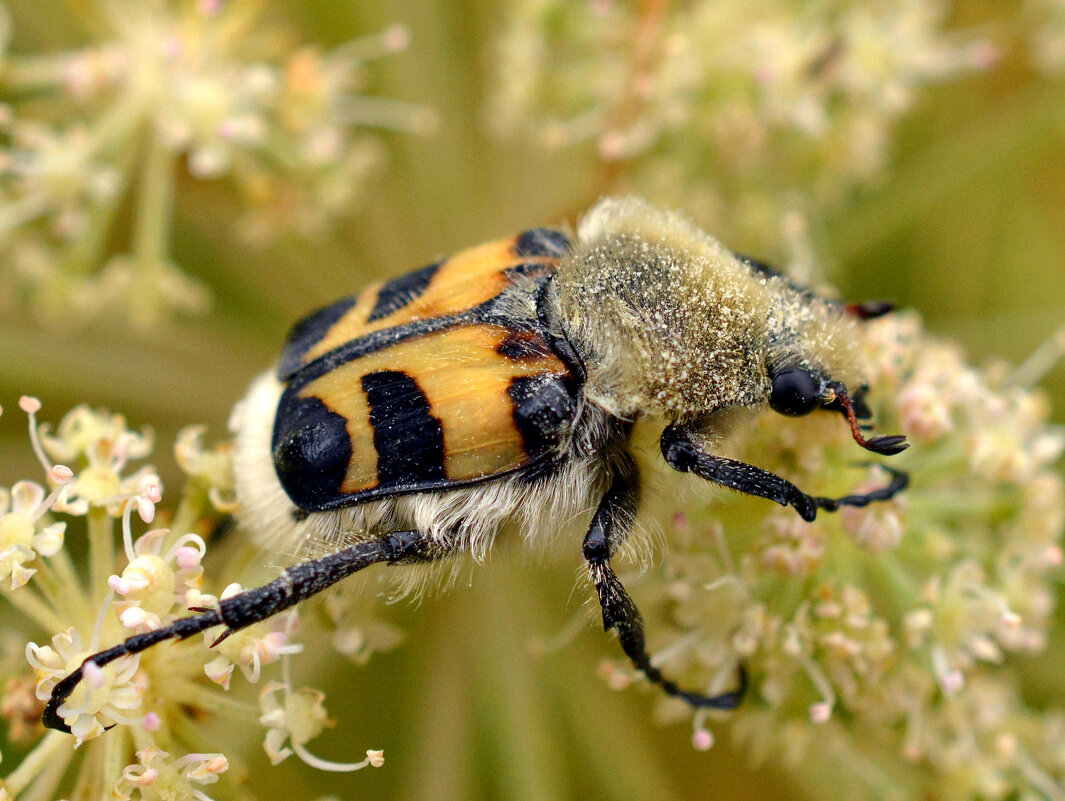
436	381
408	423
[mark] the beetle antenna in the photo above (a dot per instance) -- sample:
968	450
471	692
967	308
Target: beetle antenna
886	445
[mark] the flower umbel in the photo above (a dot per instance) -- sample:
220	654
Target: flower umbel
157	778
751	116
22	537
105	696
150	700
101	446
211	89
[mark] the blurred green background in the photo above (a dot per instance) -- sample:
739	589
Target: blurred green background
965	225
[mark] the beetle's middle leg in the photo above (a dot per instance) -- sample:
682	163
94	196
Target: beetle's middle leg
611	523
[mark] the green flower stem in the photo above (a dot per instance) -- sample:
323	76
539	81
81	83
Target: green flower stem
151	233
20	212
116	753
154	205
67	577
44	786
197	696
190	509
377	112
101	552
1039	778
33	606
112	132
54	748
906	594
52	588
852	764
84	254
30	74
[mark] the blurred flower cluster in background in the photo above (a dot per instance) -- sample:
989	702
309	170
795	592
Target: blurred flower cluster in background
182	179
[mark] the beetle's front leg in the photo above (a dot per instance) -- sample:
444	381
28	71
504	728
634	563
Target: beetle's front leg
683	454
611	523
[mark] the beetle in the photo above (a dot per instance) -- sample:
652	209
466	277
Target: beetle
405	424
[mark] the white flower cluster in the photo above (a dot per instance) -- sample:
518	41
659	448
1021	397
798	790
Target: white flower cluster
880	637
742	112
160	579
207	87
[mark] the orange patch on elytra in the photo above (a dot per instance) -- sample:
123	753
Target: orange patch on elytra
466	383
463	282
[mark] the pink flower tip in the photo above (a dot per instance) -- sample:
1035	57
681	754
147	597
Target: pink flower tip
29	404
172	47
93	675
702	740
397	37
187	557
820	713
145	509
986	55
60	474
952	682
611	145
119	585
1006	744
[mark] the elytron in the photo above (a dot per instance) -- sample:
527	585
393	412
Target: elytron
406	424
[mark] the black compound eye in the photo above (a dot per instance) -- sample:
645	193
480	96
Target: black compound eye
795	393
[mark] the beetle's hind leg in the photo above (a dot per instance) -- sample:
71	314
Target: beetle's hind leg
610	524
295	584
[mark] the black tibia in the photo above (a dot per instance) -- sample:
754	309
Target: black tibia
294	585
610	525
682	454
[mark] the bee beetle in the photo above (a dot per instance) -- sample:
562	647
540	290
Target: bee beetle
407	423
